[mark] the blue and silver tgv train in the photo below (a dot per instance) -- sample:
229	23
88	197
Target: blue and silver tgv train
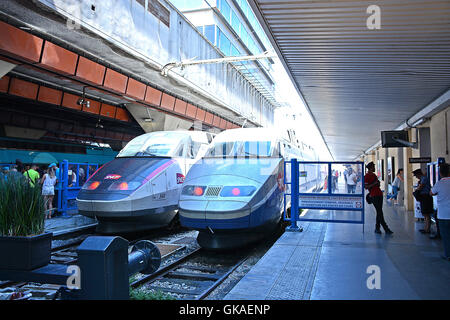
140	188
234	195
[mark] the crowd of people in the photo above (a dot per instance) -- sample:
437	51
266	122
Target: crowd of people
351	179
424	194
45	176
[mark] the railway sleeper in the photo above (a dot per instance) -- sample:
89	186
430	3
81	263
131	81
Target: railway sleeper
193	276
201	268
195	292
66	254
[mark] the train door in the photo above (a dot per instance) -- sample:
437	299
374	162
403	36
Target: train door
159	186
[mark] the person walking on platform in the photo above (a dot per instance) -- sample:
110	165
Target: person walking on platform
372	184
442	190
32	175
422	194
72	177
396	186
48	182
351	181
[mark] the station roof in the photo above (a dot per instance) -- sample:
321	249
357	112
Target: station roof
357	81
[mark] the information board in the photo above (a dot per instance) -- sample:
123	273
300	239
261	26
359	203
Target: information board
330	202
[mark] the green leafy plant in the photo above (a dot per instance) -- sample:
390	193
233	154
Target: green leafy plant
22	211
141	294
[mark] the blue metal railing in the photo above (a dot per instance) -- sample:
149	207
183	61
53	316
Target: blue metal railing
68	188
328	200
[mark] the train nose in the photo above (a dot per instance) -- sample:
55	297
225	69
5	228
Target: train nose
219	200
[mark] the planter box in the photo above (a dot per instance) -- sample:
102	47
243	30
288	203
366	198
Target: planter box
25	253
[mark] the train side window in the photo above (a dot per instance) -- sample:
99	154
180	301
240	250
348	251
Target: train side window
276	151
194	149
179	152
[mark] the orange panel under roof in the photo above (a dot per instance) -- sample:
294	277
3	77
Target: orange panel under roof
216	121
200	114
90	71
167	101
18	43
209	118
23	88
57	58
153	96
136	89
115	81
122	114
108	110
70	101
94	107
223	123
4	84
180	106
191	110
49	95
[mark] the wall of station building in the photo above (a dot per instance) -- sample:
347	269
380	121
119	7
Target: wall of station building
433	138
157	31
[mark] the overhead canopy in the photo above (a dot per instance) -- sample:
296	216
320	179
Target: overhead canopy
358	81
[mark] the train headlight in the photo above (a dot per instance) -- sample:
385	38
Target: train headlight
237	191
91	185
123	185
193	190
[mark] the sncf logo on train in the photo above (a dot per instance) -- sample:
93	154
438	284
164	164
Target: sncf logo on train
112	177
180	178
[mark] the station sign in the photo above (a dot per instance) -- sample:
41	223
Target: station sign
420	160
330	202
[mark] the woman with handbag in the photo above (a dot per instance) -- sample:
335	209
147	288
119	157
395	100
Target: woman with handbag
396	186
372	184
422	194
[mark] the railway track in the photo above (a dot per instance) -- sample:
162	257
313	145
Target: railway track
187	272
64	251
193	276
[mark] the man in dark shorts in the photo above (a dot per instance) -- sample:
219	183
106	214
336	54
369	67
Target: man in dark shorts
372	183
425	199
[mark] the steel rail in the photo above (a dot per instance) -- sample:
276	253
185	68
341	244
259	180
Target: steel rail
205	293
164	270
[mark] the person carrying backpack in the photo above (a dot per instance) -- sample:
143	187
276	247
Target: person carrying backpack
32	175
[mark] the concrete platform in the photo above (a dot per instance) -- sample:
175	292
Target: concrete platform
76	222
330	261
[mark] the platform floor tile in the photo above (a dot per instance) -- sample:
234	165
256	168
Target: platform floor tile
342	275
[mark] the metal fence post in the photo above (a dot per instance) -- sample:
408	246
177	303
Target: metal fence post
330	180
294	196
64	187
363	212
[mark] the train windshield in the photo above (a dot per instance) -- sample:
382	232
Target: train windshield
160	144
251	149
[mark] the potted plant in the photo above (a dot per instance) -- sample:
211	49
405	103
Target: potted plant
23	243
